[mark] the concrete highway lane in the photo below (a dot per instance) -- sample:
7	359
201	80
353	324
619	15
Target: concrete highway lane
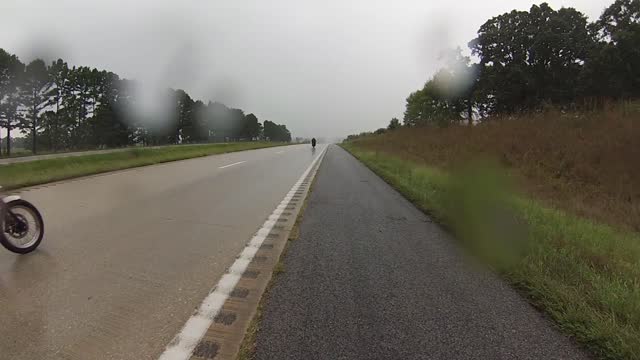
127	256
371	277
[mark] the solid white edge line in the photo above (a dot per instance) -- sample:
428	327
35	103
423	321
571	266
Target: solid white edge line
183	344
236	163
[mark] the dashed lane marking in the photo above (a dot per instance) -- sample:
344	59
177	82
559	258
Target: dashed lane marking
236	163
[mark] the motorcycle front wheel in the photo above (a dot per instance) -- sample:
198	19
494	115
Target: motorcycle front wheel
22	228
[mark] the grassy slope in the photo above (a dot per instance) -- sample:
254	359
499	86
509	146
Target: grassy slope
586	276
583	163
42	171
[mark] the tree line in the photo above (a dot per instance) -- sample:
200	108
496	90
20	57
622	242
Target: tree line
58	107
532	59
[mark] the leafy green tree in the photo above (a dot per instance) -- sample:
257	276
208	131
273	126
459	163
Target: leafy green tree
10	116
236	124
252	127
218	121
394	124
111	125
275	132
11	75
414	111
432	104
59	76
48	119
113	130
201	129
34	99
187	126
85	81
76	100
225	124
96	82
447	97
530	58
285	134
613	69
455	84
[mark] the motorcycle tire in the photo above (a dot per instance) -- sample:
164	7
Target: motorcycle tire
31	245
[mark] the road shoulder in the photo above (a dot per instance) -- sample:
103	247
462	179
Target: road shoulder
373	277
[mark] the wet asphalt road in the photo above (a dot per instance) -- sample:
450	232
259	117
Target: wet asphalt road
127	256
371	277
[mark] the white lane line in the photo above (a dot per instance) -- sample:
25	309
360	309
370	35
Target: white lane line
280	152
237	163
183	344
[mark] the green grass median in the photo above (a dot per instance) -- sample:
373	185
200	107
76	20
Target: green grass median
585	275
36	172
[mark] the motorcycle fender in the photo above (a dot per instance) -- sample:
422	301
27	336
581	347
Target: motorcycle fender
11	198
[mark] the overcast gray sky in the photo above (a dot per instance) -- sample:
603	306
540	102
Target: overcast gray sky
324	68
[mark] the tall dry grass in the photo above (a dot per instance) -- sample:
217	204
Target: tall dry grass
586	163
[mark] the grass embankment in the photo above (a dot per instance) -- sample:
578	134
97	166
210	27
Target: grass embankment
583	273
586	164
43	171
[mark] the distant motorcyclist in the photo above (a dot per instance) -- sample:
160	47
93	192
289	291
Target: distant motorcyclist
313	142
